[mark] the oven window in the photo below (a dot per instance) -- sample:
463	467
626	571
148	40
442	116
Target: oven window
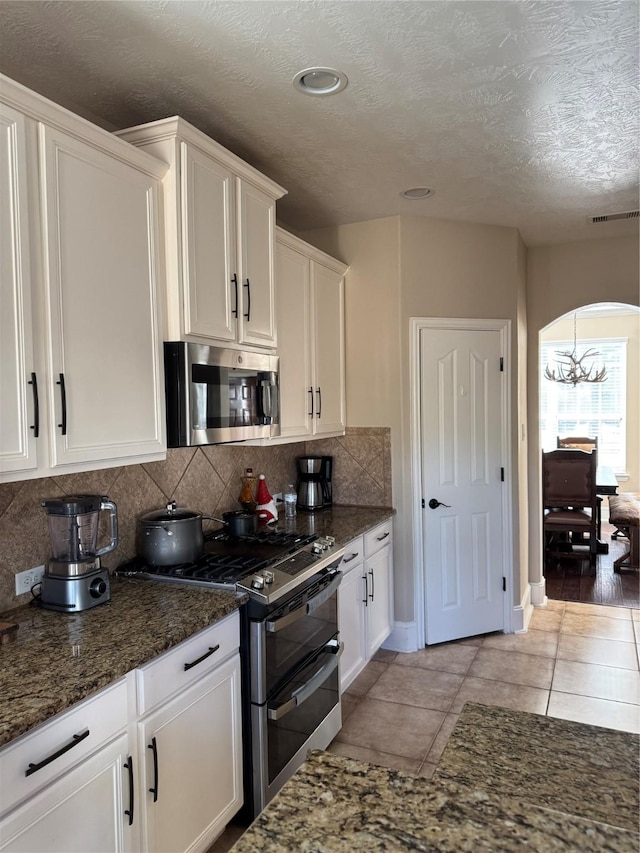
287	647
286	735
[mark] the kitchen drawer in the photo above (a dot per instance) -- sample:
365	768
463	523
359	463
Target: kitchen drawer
103	716
176	669
378	537
353	555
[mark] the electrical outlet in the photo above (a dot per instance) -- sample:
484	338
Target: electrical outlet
277	497
25	580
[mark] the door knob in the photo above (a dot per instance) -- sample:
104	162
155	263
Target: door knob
434	504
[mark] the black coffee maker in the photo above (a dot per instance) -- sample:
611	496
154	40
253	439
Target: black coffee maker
314	481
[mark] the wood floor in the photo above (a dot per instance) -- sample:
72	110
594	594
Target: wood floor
618	589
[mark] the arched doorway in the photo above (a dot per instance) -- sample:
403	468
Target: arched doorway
607	410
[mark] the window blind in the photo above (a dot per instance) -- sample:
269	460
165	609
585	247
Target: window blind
588	409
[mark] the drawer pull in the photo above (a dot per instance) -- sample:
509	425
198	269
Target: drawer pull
206	655
384	536
350	557
365	600
372	594
129	812
154	749
33	768
36	406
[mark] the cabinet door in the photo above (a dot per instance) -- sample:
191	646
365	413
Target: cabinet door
18	441
102	261
198	763
351	613
328	340
380	610
256	235
82	812
294	348
209	293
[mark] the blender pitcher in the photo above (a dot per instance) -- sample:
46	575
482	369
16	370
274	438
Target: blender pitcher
73	530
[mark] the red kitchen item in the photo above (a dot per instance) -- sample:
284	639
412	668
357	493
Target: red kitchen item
266	508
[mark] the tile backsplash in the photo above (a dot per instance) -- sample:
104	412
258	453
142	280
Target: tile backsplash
206	479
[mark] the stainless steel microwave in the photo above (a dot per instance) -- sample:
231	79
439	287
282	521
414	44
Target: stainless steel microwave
215	395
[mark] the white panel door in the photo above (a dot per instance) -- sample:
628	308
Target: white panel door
101	267
462	459
209	290
328	340
294	349
18	379
256	235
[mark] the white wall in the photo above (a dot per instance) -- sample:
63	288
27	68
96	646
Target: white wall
416	267
560	279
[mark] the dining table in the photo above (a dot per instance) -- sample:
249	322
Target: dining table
606	484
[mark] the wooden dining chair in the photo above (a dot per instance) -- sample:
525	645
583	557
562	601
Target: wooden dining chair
570	505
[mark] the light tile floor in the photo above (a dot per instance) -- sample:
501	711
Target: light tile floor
577	661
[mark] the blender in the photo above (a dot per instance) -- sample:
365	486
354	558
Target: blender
74	579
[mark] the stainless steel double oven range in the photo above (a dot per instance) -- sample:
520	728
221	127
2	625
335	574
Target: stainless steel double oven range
290	646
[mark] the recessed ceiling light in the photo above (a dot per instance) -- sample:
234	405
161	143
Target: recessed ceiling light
320	81
416	193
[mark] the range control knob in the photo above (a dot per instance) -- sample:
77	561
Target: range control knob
268	577
316	548
257	582
98	588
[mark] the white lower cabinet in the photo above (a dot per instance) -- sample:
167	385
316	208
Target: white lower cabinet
67	786
152	763
190	753
365	599
83	812
190	741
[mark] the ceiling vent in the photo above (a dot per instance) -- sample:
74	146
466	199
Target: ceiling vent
631	214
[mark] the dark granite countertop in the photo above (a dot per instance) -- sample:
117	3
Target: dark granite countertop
59	659
490	793
343	522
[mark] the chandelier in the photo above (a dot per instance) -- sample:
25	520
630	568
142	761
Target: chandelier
570	370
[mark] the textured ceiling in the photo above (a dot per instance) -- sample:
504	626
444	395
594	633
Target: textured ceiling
516	113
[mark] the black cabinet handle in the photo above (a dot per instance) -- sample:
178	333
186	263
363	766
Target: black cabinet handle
248	314
129	812
384	536
206	655
373	585
154	749
319	393
63	400
234	280
33	768
350	557
366	590
36	405
311	412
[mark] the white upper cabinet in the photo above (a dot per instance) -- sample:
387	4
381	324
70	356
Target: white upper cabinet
19	402
310	319
220	226
82	265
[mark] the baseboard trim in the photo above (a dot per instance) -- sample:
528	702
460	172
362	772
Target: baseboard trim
403	638
521	613
538	593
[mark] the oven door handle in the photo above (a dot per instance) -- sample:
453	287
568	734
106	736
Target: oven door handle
306	609
334	649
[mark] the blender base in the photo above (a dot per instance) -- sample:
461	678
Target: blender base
76	593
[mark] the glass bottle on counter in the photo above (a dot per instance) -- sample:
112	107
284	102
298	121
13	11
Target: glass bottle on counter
247	497
290	501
